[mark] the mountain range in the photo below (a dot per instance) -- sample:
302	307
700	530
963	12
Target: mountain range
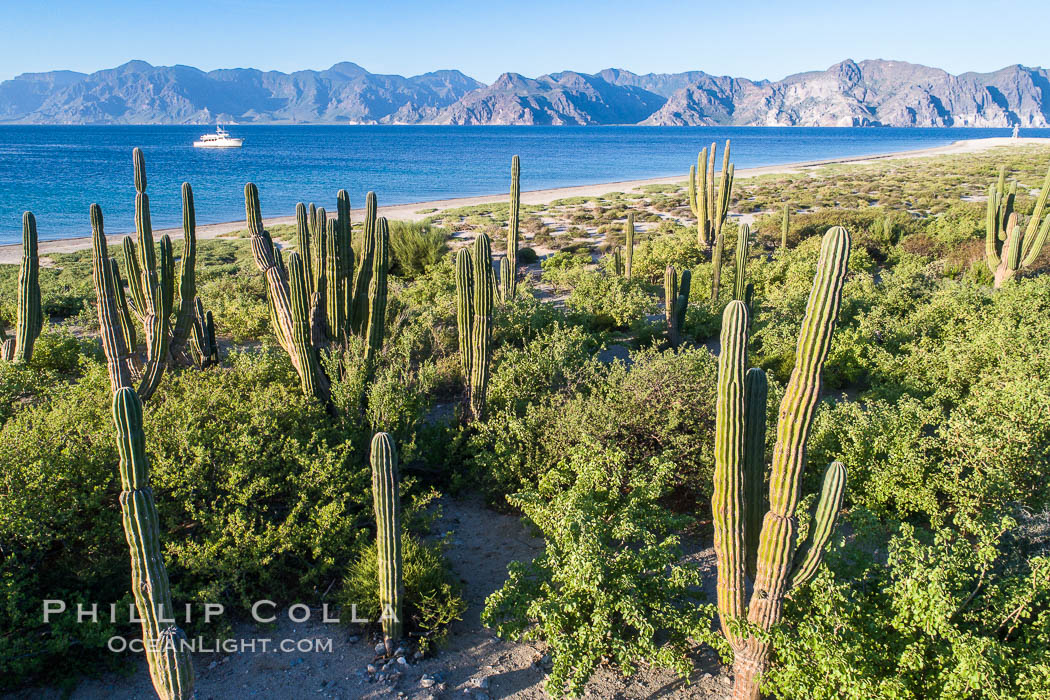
868	93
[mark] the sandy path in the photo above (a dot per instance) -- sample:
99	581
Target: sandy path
11	254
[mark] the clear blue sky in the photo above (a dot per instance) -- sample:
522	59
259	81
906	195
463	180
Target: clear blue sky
483	39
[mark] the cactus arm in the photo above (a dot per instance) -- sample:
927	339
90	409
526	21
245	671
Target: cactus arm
30	317
503	290
1008	210
716	269
681	303
1036	246
779	527
481	328
167	275
727	502
670	294
465	310
344	263
268	260
691	189
363	274
743	240
377	292
1035	235
170	666
1013	244
991	230
756	391
305	354
725	185
126	324
156	347
629	236
302	242
512	230
333	283
703	232
810	554
106	279
387	502
187	273
134	270
712	203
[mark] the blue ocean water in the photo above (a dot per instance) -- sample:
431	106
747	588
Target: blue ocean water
58	171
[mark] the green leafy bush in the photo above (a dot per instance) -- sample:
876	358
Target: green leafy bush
431	595
609	585
940	615
416	245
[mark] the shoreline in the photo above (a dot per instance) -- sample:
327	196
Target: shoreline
11	254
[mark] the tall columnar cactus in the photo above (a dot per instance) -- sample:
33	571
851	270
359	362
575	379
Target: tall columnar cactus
475	289
317	299
30	319
513	235
151	287
1007	248
676	301
670	294
363	270
773	556
629	247
617	261
377	290
505	288
387	500
170	666
743	243
785	227
716	269
710	207
465	308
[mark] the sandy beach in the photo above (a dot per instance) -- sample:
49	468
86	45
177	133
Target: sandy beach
11	254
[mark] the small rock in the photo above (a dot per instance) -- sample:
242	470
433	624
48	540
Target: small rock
706	676
724	680
402	661
353	639
371	668
418	655
426	682
212	665
380	648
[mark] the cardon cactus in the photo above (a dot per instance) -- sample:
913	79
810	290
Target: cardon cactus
772	557
30	319
475	290
513	235
785	227
387	501
716	269
710	207
151	287
676	301
377	290
629	246
617	262
1008	248
170	666
743	243
325	293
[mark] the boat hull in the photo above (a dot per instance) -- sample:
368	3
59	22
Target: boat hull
225	143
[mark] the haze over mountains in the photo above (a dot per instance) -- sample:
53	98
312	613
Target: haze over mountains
868	93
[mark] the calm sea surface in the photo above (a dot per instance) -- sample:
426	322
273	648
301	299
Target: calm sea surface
58	171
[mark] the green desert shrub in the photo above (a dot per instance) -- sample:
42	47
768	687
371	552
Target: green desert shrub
416	245
658	404
431	591
259	494
940	615
609	586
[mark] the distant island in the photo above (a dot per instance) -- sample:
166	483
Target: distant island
868	93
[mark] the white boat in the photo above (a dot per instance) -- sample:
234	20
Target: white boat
220	139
